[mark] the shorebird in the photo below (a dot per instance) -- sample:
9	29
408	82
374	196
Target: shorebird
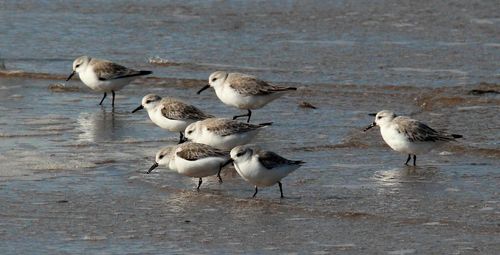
262	168
194	160
223	133
407	135
243	91
170	113
104	76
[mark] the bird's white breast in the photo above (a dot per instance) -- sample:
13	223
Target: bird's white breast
200	167
172	125
255	173
224	142
230	97
399	142
89	77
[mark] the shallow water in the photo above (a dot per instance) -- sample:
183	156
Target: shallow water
363	42
72	173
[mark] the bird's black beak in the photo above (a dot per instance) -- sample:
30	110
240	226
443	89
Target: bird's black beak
372	114
155	165
371	125
204	88
138	108
71	75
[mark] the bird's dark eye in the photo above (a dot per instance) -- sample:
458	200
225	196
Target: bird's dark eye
77	65
214	79
239	154
190	132
160	157
148	101
379	117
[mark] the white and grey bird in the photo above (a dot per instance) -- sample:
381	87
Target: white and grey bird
103	75
194	160
262	168
223	133
243	91
407	135
170	113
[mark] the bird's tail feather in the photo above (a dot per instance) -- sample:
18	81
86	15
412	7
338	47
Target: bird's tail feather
298	162
142	72
278	88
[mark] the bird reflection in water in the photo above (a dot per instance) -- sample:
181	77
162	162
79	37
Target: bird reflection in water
99	126
399	175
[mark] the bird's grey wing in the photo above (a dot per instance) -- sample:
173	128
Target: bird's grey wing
177	110
106	70
229	127
250	86
417	131
197	151
271	160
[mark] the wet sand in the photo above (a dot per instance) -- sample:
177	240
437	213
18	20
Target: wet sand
74	181
72	173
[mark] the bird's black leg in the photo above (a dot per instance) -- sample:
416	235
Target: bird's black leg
218	174
256	190
199	184
182	138
103	98
249	114
222	166
414	160
408	159
281	189
113	101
